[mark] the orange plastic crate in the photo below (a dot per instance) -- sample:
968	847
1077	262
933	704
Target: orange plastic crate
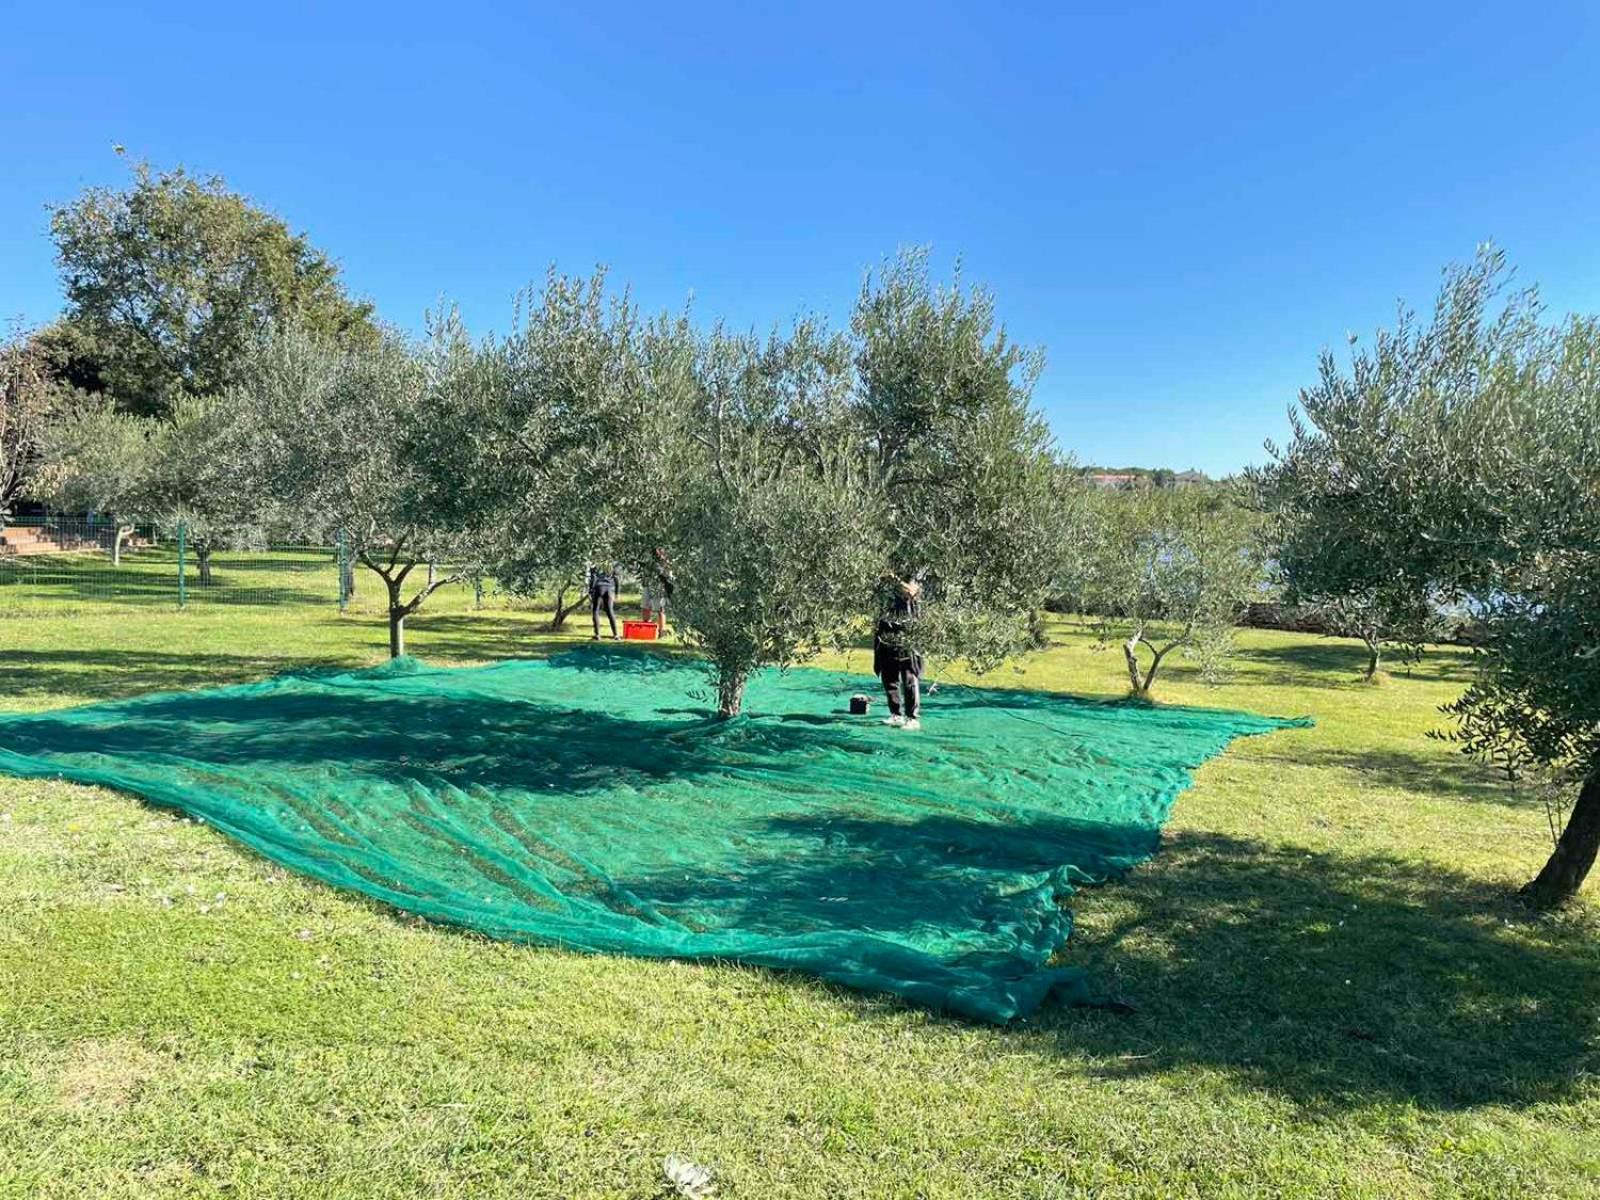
639	631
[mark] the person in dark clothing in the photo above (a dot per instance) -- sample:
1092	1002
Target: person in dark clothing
893	659
603	594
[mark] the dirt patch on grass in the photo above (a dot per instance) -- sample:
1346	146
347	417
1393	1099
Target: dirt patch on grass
104	1074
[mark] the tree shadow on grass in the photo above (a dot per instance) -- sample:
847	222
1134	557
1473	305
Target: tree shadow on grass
1341	662
493	739
492	636
1336	980
945	881
118	674
1454	777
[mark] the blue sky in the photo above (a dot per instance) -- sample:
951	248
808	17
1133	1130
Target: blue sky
1183	204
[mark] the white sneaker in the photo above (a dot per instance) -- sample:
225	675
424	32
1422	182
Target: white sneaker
913	723
896	720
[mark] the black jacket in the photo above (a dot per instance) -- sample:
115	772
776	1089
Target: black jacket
891	646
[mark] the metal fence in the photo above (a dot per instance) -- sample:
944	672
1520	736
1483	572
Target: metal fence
59	564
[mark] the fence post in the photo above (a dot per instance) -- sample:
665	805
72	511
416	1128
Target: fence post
183	546
344	572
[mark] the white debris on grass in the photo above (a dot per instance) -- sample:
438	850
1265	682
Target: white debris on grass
691	1180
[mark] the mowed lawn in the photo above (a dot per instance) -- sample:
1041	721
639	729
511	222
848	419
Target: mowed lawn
1336	992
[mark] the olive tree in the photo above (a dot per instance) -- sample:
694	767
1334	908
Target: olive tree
544	437
772	525
1169	570
1351	439
343	434
97	459
974	501
193	467
199	472
1466	450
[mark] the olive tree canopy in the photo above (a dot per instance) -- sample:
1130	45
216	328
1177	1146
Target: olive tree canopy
545	437
771	526
973	498
1463	454
346	436
1169	569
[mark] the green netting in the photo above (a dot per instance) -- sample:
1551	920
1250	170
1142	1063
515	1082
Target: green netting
589	801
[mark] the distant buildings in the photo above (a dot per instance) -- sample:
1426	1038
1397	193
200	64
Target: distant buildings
1116	483
1121	481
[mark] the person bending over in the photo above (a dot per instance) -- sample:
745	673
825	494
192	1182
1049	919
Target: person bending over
603	595
893	659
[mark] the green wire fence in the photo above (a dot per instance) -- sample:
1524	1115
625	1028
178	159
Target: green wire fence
57	564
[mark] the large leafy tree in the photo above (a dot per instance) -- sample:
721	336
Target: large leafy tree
1466	451
70	357
975	503
28	400
170	281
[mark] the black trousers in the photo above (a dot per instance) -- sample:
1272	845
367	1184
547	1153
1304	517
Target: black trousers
603	597
904	688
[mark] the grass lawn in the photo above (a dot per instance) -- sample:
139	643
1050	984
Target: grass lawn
1337	993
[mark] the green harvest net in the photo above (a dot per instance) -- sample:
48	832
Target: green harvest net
588	801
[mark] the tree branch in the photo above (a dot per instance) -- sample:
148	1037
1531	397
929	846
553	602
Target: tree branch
430	589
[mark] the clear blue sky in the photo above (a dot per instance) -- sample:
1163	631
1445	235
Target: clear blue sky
1182	203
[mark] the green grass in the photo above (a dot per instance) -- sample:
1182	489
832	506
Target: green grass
86	582
1336	991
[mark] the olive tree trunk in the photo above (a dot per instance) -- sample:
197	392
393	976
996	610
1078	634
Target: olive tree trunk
398	612
1574	854
730	690
393	573
563	610
1142	680
1130	652
119	534
1374	657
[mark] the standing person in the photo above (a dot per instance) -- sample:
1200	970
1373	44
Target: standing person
603	594
661	591
893	659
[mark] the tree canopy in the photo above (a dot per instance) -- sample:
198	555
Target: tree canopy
550	435
974	501
170	281
1169	570
770	531
342	434
28	399
1460	459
